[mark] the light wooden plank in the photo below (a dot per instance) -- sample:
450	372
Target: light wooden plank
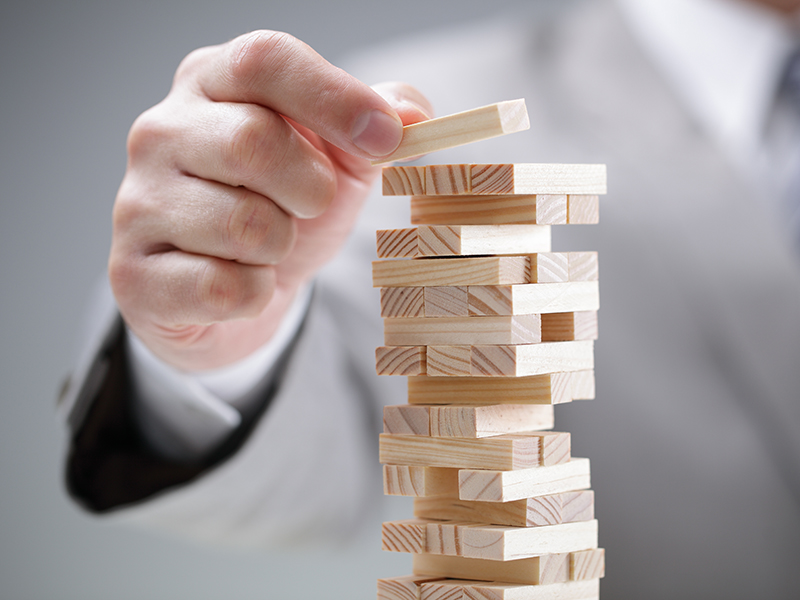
407	420
509	451
530	359
549	267
583	266
460	128
500	542
550	388
409	535
400	360
567	326
526	178
466	240
490	270
445	301
416	481
583	385
403	181
488	421
397	243
403	302
406	587
551	509
541	209
507	486
518	329
540	570
587	564
583	209
533	298
447	180
454	589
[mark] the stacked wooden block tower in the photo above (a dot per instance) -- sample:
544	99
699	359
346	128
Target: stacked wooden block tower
492	330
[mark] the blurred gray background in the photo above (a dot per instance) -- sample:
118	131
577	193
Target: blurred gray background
73	76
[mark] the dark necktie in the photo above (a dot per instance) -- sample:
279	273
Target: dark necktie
790	94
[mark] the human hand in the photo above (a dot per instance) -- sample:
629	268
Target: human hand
240	185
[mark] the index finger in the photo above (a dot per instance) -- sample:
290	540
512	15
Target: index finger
282	73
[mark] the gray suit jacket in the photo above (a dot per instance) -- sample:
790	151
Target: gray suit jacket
693	436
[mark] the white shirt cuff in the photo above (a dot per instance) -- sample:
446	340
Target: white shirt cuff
186	414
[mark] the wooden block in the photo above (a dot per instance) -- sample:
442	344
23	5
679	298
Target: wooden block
488	421
530	359
540	570
507	486
549	267
447	180
402	302
466	240
420	482
587	564
563	327
518	329
503	452
445	301
460	128
537	179
533	298
406	587
407	420
552	509
583	209
397	243
542	209
403	181
456	589
449	361
489	270
404	536
583	385
400	360
583	266
500	542
550	388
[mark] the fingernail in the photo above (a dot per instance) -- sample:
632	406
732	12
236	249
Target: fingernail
377	133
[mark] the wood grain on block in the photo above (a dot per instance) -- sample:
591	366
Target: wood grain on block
503	452
583	209
397	243
466	240
402	302
445	301
583	385
449	361
568	326
552	509
447	180
530	359
525	178
540	570
533	298
489	210
460	128
403	181
406	587
404	536
487	421
407	420
479	270
400	360
518	329
549	267
507	486
420	482
455	589
504	543
550	388
587	564
583	266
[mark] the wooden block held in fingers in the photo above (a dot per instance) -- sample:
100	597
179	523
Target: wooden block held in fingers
568	326
518	329
550	388
479	270
506	486
530	359
533	298
540	570
456	589
406	480
583	266
397	243
542	209
524	178
407	420
487	421
404	536
445	301
459	129
447	180
400	360
583	209
553	509
403	181
402	302
587	564
503	452
406	587
470	240
549	267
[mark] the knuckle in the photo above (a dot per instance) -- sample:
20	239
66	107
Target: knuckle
256	232
147	135
259	54
220	290
249	148
191	63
